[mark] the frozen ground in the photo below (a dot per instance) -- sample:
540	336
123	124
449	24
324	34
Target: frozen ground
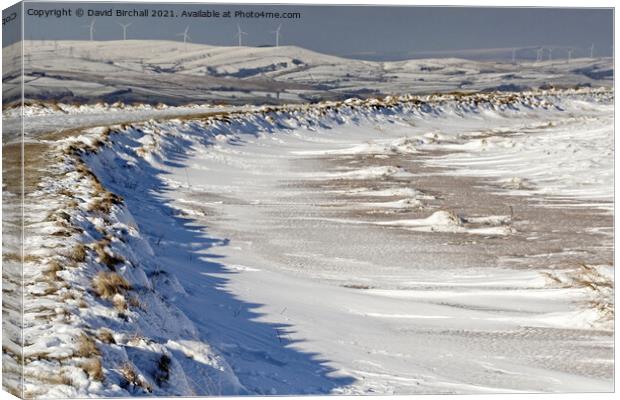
64	119
439	245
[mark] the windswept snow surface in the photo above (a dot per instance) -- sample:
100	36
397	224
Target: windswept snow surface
373	247
45	119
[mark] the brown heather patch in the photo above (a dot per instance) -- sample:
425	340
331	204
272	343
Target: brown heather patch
49	379
134	302
69	295
72	204
108	284
86	347
106	336
78	253
104	201
59	216
93	368
588	277
16	258
36	164
62	233
52	270
103	251
131	378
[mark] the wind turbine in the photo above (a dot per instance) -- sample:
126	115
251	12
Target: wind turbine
91	26
550	54
539	54
277	33
592	51
239	35
124	26
570	54
185	35
514	56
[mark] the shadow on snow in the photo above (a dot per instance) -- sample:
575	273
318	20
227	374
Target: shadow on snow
262	355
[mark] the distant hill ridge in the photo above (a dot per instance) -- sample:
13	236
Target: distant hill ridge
173	72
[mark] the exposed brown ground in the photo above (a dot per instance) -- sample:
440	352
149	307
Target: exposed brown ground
562	234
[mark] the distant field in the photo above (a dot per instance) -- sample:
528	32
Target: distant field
176	73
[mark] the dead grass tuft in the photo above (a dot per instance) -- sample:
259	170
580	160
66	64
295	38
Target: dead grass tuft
51	272
106	336
86	347
103	252
131	378
104	202
62	233
134	302
78	253
109	284
93	368
49	379
590	278
29	258
37	356
71	204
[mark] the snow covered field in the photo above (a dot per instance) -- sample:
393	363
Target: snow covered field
175	73
440	244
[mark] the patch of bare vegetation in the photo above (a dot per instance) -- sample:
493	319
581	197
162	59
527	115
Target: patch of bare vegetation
106	336
59	216
132	379
591	278
104	201
93	369
86	347
52	270
16	258
49	379
78	253
356	286
109	284
105	255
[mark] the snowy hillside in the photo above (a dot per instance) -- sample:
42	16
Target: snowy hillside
413	244
173	72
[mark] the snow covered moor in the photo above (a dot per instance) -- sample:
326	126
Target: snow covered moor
440	244
452	242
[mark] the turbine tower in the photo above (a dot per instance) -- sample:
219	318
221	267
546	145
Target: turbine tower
124	26
277	33
514	56
570	54
550	54
91	26
592	51
539	54
185	35
239	35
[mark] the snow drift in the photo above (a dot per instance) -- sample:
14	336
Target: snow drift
108	315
